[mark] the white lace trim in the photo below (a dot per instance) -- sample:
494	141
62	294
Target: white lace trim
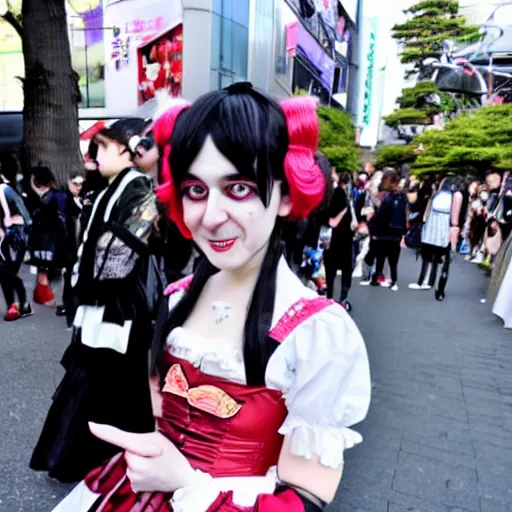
215	358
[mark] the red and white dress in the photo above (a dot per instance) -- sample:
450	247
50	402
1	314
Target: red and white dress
317	387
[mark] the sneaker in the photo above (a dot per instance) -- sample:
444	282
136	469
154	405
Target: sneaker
26	310
43	295
365	283
479	258
416	286
384	284
13	313
61	310
394	287
381	279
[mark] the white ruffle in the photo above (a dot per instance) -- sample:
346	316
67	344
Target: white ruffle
328	443
198	498
215	358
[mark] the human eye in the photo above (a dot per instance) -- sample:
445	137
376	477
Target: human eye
241	191
194	191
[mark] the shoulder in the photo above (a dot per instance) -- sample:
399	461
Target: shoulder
320	325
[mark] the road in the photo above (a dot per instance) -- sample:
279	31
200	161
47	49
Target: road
438	437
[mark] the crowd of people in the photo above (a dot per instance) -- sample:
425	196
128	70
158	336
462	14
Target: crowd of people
199	252
374	214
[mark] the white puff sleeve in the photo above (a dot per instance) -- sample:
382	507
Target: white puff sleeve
323	371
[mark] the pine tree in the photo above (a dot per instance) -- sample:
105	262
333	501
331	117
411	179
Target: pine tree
432	23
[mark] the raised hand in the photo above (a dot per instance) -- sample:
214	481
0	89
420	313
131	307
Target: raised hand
154	463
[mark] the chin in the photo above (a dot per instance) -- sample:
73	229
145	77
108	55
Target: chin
228	260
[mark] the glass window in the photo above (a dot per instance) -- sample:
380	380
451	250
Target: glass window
88	58
241	13
230	42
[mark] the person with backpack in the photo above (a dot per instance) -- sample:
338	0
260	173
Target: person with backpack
389	228
439	236
15	224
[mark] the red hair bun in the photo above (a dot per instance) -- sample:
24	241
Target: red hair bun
305	179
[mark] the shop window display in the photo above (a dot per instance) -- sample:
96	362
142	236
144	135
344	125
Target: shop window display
160	62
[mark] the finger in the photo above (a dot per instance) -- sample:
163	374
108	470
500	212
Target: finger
134	443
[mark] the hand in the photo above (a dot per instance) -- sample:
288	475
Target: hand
154	463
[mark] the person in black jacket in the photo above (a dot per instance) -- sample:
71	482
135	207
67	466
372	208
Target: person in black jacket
339	255
49	235
75	224
389	227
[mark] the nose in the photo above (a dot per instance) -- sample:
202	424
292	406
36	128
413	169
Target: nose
215	214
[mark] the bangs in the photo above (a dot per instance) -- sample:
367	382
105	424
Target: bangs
248	129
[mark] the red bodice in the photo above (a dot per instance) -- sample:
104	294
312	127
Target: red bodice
245	444
222	427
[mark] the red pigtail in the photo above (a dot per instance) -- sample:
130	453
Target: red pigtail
167	193
304	177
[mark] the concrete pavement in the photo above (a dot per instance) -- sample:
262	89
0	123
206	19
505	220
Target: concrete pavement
438	437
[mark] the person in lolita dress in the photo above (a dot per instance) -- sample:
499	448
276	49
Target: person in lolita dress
260	379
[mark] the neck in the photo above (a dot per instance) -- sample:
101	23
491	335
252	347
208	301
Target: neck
247	275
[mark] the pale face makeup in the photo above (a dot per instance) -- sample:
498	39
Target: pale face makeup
224	213
112	157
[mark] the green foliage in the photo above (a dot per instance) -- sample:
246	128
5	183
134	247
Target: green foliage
407	116
394	155
431	23
470	143
445	6
412	96
337	139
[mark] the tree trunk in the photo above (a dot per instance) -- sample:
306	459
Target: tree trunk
50	115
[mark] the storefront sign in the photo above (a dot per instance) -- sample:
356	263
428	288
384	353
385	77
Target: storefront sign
140	26
372	73
368	84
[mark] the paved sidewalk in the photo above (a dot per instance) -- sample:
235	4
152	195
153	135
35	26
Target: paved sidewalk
438	437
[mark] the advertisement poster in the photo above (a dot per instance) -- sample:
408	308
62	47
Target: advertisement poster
143	54
160	65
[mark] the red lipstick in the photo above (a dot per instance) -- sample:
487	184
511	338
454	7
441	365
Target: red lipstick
222	245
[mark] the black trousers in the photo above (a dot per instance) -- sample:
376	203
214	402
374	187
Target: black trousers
432	256
339	258
390	250
12	254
